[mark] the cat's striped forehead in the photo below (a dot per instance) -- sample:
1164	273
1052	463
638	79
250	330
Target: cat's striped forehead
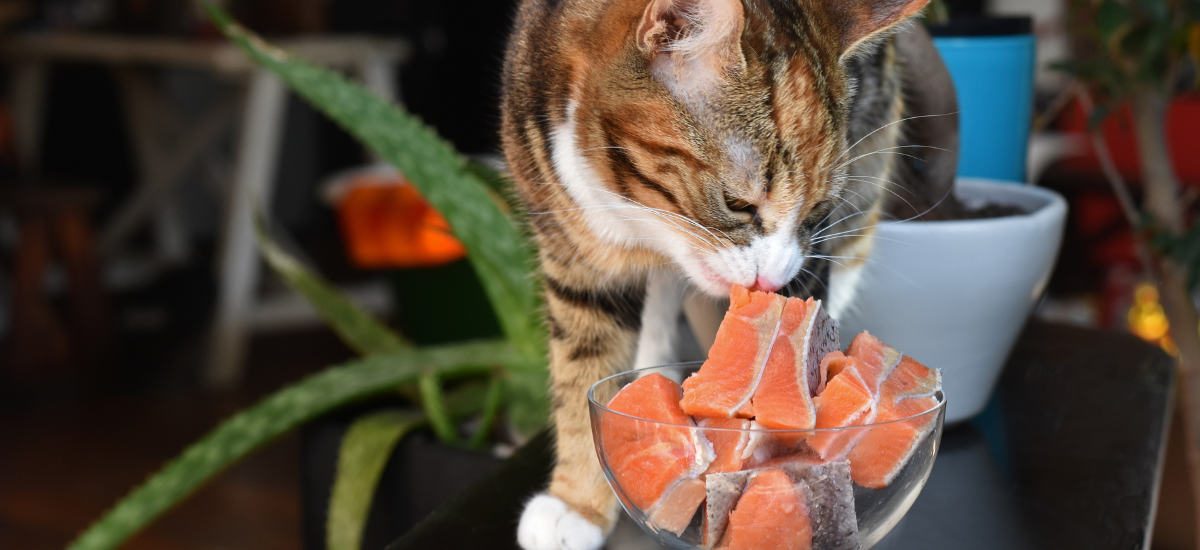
763	132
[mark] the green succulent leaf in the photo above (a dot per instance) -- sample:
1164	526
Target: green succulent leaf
280	413
356	328
364	453
466	399
497	250
435	408
525	395
491	408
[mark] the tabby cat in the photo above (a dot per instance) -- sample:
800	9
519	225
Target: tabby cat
661	145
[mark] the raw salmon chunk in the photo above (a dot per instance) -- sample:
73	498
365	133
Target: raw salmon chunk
877	357
674	511
826	487
846	401
851	397
724	385
652	462
771	515
783	400
723	491
885	449
830	501
728	445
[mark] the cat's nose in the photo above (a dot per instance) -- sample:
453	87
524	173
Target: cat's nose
764	284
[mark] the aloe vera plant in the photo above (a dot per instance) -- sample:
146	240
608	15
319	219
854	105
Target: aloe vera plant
511	372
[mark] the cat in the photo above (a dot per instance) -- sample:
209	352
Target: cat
666	145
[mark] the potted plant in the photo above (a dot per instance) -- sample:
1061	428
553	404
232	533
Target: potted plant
956	292
452	383
953	283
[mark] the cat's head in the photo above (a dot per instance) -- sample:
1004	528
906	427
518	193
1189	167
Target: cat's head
713	131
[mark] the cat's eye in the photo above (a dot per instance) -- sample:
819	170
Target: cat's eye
818	214
739	206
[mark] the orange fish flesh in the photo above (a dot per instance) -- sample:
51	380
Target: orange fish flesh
770	515
728	445
653	462
884	450
724	385
783	400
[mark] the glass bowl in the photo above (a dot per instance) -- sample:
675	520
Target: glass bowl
875	511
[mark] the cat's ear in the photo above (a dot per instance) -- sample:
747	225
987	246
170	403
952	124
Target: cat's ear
860	20
704	30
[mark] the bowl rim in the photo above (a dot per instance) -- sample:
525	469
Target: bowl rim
1054	207
940	395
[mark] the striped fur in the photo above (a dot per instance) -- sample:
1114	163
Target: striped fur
670	134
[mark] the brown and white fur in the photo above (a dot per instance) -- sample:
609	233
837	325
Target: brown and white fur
662	146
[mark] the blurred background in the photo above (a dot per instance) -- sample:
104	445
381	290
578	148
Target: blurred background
133	319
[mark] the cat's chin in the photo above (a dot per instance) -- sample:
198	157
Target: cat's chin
715	287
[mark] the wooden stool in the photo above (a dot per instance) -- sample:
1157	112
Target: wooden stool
46	343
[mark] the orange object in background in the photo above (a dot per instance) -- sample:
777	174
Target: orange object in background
386	223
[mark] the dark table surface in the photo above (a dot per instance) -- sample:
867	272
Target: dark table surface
1067	455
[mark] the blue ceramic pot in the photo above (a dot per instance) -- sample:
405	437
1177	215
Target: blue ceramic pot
991	61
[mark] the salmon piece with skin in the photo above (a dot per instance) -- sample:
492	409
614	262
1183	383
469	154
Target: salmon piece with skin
656	465
772	514
792	377
724	385
884	450
825	487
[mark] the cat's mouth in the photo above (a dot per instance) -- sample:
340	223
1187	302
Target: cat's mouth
716	284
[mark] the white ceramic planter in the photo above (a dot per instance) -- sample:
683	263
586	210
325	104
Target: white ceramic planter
955	294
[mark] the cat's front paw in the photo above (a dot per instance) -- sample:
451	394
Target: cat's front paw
549	524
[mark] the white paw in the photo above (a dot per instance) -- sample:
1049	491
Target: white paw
547	524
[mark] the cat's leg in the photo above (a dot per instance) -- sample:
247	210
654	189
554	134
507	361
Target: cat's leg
659	339
594	333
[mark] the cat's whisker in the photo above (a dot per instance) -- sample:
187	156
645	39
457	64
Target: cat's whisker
697	224
880	152
856	232
885	126
872	236
658	211
606	147
851	203
815	278
883	188
664	225
870	261
847	217
893	148
666	216
697	249
653	211
918	215
884	180
833	211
